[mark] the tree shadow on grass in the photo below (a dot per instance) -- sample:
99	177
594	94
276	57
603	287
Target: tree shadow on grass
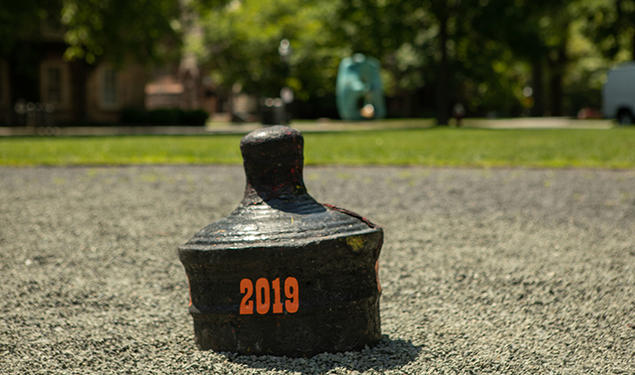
386	355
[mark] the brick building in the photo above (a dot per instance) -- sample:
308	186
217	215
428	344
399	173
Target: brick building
38	85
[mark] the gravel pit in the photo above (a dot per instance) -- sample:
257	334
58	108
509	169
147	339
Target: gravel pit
503	271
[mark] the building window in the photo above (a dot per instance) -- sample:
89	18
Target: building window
109	87
54	85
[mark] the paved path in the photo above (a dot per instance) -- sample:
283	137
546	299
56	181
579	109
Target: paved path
508	271
308	126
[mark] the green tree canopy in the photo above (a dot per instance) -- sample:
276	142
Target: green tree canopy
241	41
143	30
146	30
611	25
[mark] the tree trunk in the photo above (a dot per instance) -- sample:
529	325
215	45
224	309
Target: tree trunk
442	78
557	74
538	90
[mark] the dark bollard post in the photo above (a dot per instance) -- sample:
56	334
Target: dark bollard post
283	274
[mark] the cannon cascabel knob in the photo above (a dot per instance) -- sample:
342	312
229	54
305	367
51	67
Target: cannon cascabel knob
283	274
273	161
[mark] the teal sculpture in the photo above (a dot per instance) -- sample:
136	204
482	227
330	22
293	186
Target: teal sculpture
359	91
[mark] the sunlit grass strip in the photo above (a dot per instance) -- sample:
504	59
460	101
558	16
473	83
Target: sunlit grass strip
119	150
554	148
612	148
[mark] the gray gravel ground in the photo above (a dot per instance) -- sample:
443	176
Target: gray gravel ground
483	271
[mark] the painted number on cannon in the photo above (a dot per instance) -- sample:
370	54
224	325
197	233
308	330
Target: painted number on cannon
263	292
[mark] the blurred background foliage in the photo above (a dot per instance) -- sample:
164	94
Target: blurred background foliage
496	57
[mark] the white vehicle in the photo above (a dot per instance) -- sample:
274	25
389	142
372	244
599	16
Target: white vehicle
619	94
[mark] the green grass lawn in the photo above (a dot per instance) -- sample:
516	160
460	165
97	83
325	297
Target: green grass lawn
601	148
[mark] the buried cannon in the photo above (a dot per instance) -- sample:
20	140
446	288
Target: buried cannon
283	274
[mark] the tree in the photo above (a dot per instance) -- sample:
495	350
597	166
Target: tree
448	16
241	40
141	29
492	56
442	48
392	32
611	24
22	20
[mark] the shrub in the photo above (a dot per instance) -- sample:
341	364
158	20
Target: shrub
163	116
195	117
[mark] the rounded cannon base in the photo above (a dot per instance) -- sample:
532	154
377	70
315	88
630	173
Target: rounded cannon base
340	328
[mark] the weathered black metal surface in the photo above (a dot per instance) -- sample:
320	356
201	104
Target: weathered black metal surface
283	274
